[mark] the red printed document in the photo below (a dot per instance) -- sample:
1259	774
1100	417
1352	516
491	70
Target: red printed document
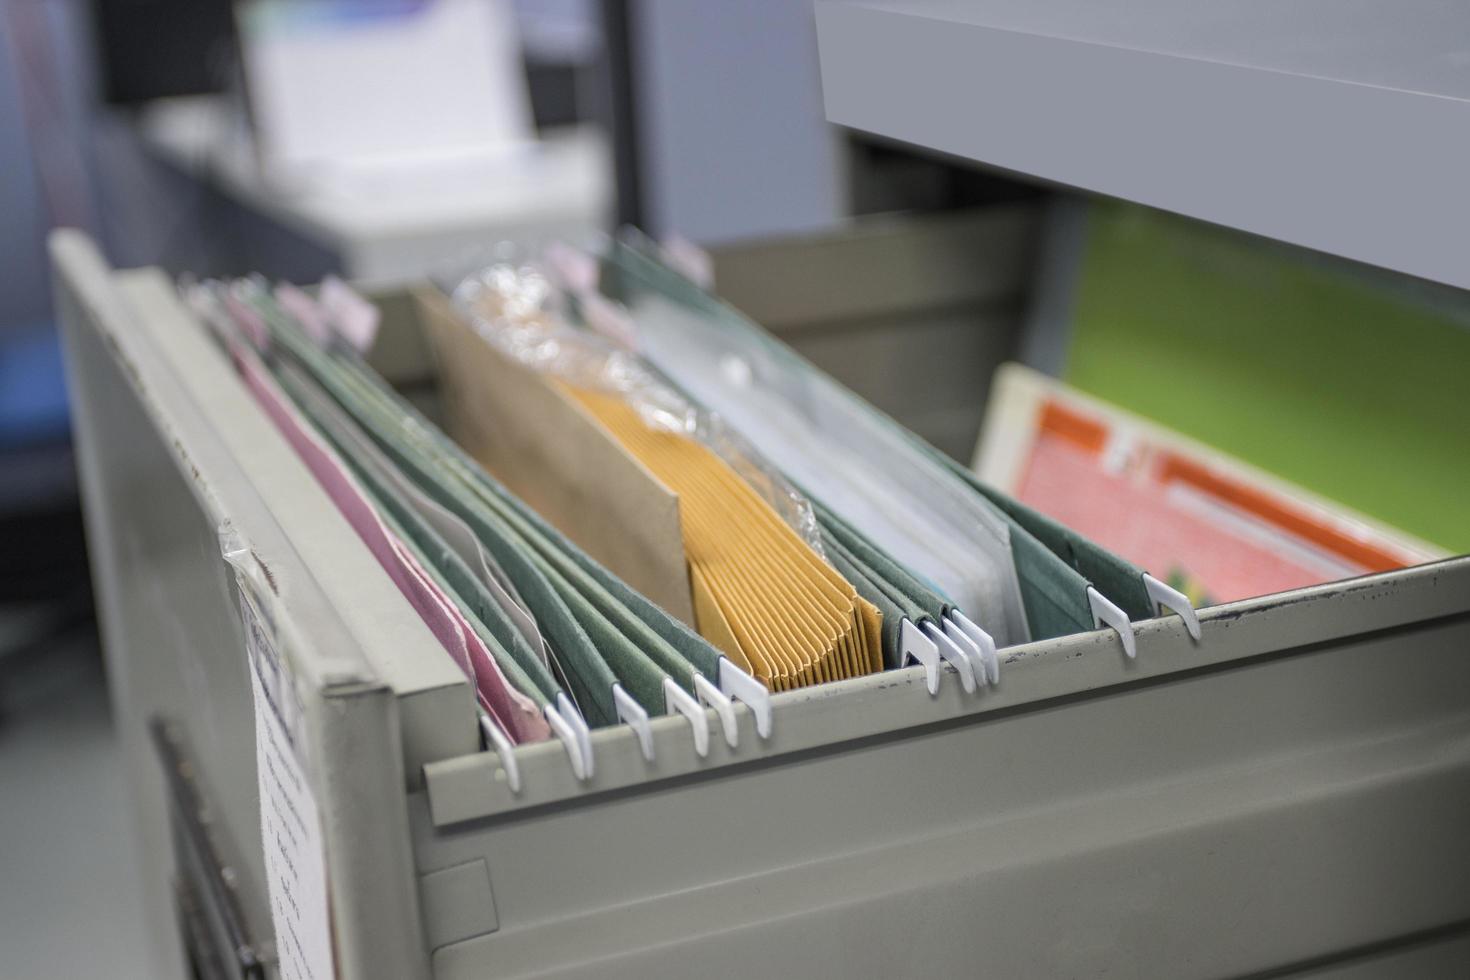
1211	526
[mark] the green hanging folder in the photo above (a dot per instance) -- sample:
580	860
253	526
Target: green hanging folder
617	635
445	562
1055	567
678	648
590	675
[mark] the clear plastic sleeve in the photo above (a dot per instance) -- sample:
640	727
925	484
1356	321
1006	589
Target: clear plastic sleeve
839	449
516	307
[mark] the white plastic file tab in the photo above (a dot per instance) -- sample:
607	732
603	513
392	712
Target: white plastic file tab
750	692
678	699
567	708
631	713
914	645
569	741
984	641
507	752
1167	597
958	656
1105	611
971	648
723	706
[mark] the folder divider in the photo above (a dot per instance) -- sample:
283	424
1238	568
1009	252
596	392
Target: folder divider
568	572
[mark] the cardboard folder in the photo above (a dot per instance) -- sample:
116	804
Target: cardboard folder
546	450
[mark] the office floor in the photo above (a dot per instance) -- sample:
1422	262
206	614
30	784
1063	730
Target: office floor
67	877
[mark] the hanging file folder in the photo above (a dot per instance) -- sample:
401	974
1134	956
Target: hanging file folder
686	330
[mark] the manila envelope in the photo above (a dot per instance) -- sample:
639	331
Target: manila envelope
559	459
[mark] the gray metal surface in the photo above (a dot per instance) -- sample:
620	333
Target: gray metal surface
169	451
1294	787
729	121
1341	127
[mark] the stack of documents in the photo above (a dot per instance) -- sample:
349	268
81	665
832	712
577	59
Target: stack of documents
843	457
761	594
611	535
962	547
554	642
659	507
1218	529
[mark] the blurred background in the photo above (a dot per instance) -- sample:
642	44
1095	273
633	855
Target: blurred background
382	139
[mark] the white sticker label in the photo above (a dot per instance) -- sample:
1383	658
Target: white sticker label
290	825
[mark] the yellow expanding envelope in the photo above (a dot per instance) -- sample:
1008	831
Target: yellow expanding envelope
661	510
760	593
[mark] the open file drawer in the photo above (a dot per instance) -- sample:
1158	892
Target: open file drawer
1288	793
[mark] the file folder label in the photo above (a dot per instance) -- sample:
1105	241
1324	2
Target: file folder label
290	821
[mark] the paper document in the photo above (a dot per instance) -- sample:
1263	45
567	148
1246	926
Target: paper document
1211	526
762	595
545	448
837	450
